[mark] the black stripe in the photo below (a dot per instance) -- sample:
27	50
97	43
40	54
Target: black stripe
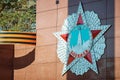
18	42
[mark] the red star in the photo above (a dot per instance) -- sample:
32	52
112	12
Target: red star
65	37
94	34
80	21
70	59
88	57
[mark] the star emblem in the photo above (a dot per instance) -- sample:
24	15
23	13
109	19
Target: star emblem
81	41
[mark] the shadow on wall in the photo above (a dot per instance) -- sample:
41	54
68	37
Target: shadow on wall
105	11
21	62
6	61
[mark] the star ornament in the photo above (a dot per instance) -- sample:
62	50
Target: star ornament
81	42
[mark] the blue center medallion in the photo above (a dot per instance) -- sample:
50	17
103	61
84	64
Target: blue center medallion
80	40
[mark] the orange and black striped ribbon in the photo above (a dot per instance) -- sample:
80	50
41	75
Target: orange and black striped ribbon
18	37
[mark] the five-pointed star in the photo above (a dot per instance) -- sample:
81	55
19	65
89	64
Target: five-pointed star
97	33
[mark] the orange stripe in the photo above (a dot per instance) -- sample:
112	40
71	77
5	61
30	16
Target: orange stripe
16	35
18	40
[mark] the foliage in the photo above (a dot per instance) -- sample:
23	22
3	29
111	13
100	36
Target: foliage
17	15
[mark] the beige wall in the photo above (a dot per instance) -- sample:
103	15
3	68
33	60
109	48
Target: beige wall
46	65
117	39
49	19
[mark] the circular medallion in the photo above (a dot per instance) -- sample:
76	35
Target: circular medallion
79	41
